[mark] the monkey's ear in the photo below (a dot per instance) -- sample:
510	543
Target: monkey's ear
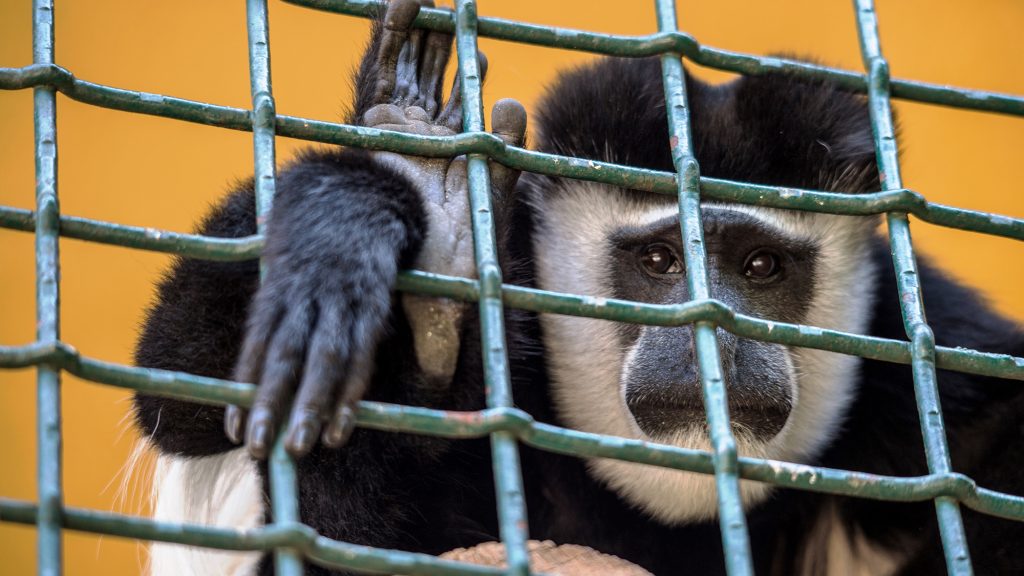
810	127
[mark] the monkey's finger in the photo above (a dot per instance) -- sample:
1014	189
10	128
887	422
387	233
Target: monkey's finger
344	418
407	70
419	42
234	423
325	364
451	116
481	59
284	363
435	61
508	122
262	323
397	21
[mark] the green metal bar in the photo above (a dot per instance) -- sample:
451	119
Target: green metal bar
685	44
951	529
508	482
284	497
885	350
264	115
318	549
731	521
477	424
901	200
483	143
191	245
409	419
48	385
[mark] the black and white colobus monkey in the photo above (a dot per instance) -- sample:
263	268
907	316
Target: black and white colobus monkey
326	327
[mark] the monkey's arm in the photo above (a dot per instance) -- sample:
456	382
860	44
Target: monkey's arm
341	227
317	319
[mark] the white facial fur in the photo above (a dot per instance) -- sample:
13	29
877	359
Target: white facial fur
587	359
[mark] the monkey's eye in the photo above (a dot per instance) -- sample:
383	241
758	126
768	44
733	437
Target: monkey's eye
659	259
762	264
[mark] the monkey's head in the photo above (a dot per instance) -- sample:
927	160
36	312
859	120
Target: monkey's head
797	267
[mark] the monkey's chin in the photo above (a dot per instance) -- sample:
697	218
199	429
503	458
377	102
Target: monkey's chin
676	497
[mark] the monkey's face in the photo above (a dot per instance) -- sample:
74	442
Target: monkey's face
755	269
644	381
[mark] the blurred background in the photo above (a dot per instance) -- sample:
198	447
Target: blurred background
148	171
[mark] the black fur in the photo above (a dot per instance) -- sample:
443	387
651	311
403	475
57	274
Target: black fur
431	495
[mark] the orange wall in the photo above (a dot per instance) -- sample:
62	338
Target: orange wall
149	171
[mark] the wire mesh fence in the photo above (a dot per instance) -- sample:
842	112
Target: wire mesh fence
291	541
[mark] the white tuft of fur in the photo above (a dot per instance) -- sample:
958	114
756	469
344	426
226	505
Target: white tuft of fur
674	496
224	491
586	358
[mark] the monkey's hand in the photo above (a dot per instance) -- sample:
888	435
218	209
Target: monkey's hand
338	233
407	97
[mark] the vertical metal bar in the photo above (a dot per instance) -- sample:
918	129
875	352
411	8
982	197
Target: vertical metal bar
505	453
284	499
951	529
263	109
732	522
48	425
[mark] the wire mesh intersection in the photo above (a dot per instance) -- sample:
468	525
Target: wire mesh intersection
292	541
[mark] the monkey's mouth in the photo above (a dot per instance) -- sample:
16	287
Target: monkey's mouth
660	419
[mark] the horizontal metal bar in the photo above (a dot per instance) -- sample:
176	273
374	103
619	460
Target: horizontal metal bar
902	200
870	347
450	424
192	245
483	143
720	314
416	420
681	42
318	549
215	248
410	419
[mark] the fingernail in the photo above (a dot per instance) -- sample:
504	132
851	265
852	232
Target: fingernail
340	428
259	440
301	438
233	424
